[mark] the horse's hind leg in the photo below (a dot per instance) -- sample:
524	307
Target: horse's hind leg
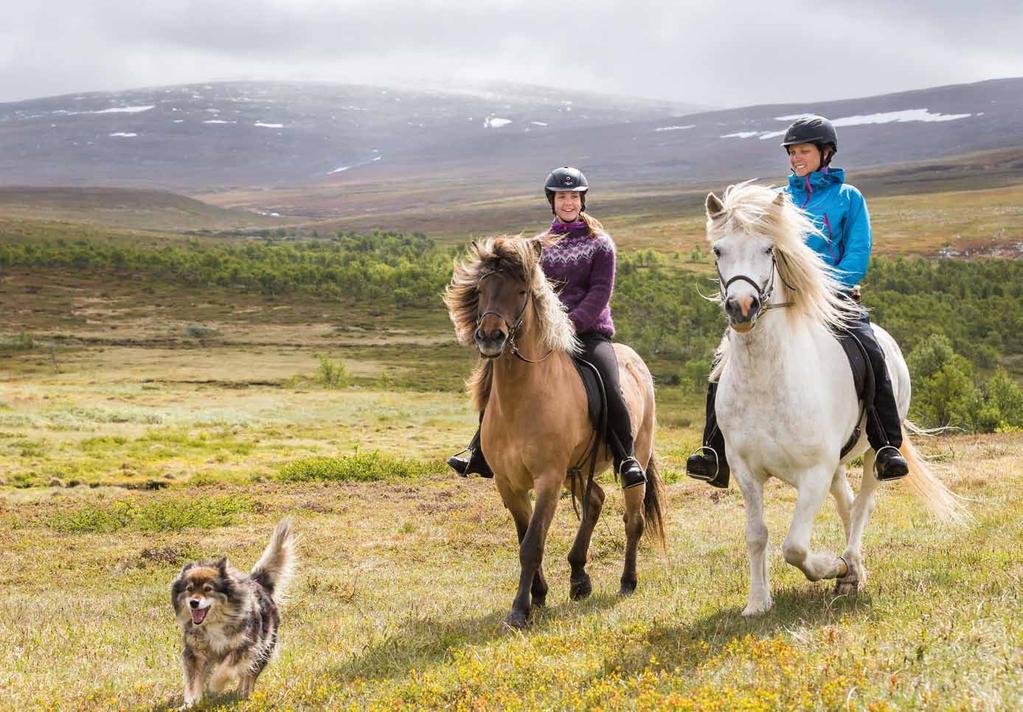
577	557
635	522
813	487
843	495
856	576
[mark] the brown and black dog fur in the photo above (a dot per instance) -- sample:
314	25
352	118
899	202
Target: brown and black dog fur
230	619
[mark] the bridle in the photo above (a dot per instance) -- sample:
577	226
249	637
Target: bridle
513	326
764	292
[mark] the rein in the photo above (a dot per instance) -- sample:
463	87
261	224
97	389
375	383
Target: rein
514	326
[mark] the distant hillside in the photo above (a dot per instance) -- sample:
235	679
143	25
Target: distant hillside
255	136
125	208
266	134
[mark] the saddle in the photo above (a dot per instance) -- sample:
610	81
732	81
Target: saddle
596	396
863	380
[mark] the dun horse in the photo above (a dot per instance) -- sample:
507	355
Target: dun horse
786	401
535	426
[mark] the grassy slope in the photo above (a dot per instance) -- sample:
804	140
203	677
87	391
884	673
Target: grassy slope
124	208
403	587
403	584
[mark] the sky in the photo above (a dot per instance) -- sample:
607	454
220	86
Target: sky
713	54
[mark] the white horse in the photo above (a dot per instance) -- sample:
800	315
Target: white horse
786	402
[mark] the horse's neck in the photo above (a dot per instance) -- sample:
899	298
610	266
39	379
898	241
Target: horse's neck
518	381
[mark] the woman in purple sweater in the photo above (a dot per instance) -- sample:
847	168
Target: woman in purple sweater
580	261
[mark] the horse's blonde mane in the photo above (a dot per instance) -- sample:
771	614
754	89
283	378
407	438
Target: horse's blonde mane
806	280
519	257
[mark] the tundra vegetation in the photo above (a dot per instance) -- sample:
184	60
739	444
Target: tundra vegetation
166	398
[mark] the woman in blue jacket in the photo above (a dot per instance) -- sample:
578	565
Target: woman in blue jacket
843	241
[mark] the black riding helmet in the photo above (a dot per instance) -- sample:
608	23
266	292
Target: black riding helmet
812	129
563	180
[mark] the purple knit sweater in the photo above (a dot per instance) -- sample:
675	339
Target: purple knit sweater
582	269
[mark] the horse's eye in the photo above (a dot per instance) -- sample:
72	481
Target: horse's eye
522	292
769	250
717	251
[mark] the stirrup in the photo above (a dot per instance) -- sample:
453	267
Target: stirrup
634	480
458	464
717	464
898	453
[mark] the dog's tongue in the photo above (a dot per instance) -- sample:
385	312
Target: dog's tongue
199	615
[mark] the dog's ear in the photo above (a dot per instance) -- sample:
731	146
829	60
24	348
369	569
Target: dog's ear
222	565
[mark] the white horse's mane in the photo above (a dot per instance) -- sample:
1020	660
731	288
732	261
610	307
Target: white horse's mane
806	280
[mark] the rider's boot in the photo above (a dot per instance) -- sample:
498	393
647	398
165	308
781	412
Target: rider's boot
889	464
631	473
474	463
708	463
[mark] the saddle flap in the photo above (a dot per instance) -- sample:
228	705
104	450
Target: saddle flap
594	387
863	380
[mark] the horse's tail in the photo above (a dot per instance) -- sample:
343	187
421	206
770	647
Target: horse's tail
653	504
944	504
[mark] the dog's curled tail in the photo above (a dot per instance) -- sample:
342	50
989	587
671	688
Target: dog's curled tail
276	566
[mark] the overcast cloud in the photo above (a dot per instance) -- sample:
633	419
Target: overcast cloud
729	54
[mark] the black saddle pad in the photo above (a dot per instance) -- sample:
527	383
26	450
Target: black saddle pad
863	378
594	387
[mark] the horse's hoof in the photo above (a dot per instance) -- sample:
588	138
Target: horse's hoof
628	588
580	589
517	620
757	608
847	586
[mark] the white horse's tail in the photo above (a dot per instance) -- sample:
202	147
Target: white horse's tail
944	504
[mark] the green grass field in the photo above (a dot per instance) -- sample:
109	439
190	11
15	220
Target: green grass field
144	425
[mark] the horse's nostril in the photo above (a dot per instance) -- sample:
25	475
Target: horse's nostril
478	335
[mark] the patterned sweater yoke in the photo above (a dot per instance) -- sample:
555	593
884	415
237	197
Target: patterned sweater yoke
582	269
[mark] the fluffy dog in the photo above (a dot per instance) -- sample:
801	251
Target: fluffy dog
230	619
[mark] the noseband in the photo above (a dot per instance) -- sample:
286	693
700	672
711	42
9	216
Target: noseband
513	327
764	292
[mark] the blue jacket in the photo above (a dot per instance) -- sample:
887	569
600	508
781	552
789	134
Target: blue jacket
840	212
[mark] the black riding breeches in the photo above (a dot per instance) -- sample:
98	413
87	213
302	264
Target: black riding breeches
884	426
597	349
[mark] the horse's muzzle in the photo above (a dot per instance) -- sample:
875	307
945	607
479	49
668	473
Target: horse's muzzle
490	343
742	311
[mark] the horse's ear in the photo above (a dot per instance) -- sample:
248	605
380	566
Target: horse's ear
715	208
779	200
537	245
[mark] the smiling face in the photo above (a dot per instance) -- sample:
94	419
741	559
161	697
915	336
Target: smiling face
804	158
567	205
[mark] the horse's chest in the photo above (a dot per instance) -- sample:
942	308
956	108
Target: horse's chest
768	425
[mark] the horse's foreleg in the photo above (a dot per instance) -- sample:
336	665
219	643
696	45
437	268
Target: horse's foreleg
843	495
577	557
522	511
813	487
759	600
635	522
532	545
856	576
